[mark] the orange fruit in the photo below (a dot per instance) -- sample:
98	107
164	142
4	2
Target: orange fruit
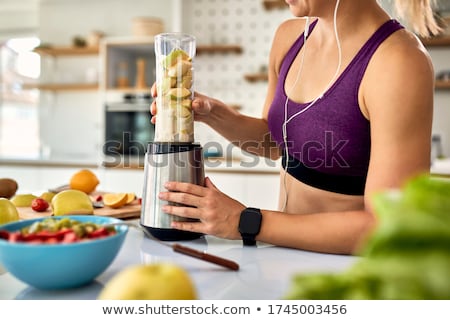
115	200
84	180
130	197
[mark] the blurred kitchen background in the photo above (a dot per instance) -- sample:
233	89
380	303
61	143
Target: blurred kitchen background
69	74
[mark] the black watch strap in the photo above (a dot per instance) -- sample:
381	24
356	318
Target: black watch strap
249	241
250	225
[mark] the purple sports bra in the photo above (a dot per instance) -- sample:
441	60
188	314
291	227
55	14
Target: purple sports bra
332	138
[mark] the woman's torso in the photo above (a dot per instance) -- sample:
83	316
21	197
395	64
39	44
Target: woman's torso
332	137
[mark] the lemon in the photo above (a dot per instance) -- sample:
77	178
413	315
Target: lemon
157	281
23	200
71	202
8	211
115	200
84	180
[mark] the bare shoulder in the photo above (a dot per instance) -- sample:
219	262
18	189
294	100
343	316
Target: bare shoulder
401	68
402	55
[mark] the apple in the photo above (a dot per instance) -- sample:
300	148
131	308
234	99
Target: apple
23	200
8	211
156	281
71	202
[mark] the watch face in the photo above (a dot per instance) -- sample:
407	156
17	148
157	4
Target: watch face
250	222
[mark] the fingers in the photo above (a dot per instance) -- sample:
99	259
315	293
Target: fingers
186	212
181	198
189	226
201	106
153	90
153	107
185	188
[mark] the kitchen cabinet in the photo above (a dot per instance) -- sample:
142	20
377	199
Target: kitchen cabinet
59	77
120	60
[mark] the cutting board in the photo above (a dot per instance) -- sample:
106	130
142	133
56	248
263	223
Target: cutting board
128	211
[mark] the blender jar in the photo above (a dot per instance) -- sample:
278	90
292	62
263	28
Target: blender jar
174	82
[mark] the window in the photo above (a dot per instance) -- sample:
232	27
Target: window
19	117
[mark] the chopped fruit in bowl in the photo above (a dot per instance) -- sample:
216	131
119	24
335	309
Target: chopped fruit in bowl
60	252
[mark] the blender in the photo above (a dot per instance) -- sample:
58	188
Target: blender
173	155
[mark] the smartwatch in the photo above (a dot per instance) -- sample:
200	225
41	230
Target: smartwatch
250	225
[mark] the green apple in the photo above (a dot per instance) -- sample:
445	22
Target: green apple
179	93
71	202
175	56
23	200
186	81
156	281
180	69
8	211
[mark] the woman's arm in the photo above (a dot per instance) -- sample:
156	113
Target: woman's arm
399	105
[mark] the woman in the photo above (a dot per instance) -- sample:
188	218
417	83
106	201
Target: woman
350	96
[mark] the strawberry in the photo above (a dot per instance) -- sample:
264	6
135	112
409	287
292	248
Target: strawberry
39	205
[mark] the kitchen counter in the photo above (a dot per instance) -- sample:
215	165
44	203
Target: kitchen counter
249	164
265	271
244	165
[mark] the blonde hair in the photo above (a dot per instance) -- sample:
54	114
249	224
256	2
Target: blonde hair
419	15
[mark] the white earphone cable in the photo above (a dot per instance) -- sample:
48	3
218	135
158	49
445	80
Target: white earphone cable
286	119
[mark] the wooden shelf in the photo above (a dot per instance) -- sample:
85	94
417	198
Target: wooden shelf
202	49
274	4
129	90
442	84
63	86
67	51
440	41
255	77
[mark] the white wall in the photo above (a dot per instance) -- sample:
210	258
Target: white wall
60	20
18	18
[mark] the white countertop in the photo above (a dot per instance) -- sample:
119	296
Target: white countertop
441	167
265	271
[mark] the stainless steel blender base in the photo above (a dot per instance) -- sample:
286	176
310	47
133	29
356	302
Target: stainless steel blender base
164	162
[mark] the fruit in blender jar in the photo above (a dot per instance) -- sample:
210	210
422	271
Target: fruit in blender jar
8	188
173	57
175	121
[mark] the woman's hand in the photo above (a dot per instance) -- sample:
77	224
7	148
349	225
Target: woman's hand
218	214
201	105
